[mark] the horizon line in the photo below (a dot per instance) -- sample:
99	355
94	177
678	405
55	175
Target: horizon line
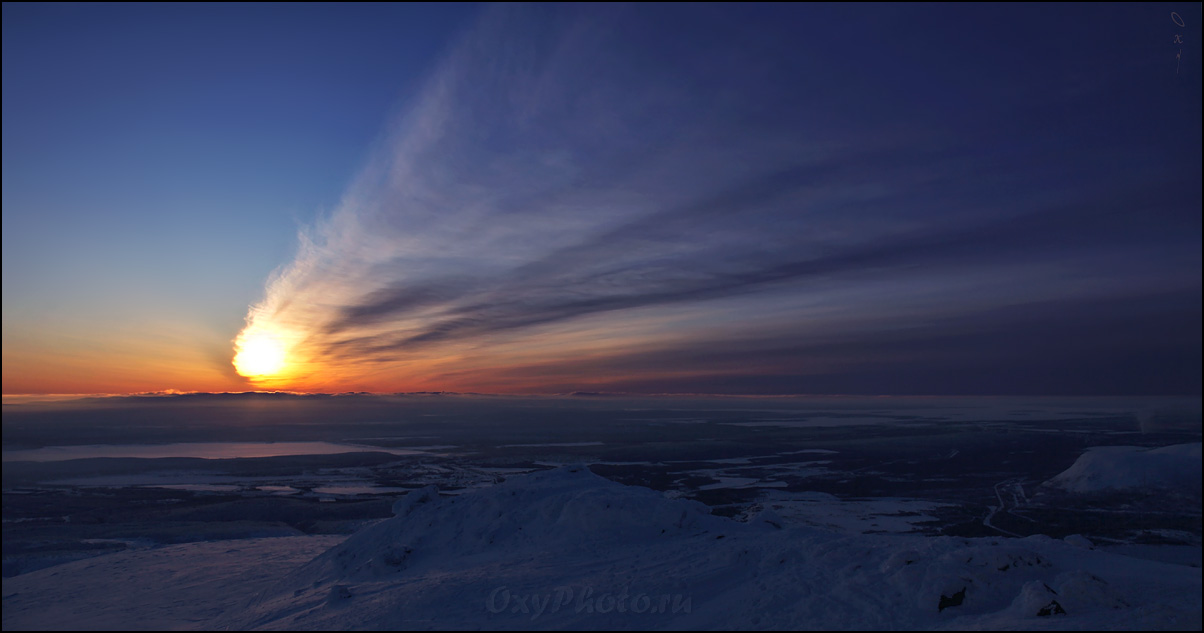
46	398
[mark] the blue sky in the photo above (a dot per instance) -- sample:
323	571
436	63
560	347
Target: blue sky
655	198
134	132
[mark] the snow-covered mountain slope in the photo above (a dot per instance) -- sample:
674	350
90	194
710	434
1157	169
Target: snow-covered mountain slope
1105	468
173	587
568	549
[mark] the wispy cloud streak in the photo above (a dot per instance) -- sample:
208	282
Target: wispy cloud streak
573	164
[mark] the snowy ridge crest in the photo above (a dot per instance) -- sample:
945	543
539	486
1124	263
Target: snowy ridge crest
1104	468
568	511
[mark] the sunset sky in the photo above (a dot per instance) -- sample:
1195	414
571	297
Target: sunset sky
746	199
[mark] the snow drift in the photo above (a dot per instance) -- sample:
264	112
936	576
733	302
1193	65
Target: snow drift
566	549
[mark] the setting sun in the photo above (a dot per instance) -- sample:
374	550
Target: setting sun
259	355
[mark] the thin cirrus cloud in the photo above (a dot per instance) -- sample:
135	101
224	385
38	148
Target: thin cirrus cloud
581	197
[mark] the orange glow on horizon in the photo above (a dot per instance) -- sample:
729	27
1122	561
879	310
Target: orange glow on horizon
154	358
276	355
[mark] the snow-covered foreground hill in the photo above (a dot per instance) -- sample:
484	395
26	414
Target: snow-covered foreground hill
567	549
